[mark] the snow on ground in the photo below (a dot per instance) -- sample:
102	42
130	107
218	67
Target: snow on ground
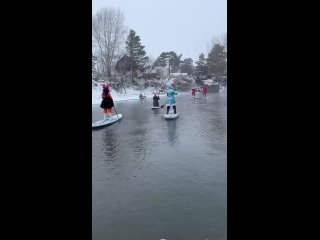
131	94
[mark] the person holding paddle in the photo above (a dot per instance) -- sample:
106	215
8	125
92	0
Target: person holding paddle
107	102
171	101
156	100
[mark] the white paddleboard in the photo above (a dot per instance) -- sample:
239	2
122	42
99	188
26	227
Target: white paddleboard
104	123
170	116
155	107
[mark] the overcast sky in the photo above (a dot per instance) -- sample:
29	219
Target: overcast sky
183	26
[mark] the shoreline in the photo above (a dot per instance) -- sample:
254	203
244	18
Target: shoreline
133	96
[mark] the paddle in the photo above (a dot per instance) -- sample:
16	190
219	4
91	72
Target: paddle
116	112
163	105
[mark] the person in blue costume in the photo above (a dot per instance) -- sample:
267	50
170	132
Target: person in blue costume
171	101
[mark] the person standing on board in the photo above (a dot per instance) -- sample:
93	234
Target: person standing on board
156	100
107	102
204	90
197	92
193	93
171	101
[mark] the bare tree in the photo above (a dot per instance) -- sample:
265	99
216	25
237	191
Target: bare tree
108	33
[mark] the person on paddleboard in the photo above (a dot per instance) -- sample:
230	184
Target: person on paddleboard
171	101
193	93
198	92
107	102
156	100
204	90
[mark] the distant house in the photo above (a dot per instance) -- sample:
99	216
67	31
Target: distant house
214	88
123	66
177	75
162	72
150	76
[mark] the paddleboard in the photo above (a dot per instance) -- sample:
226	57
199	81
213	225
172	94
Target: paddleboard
107	122
170	116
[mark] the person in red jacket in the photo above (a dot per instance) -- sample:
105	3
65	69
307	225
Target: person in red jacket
107	102
193	92
204	90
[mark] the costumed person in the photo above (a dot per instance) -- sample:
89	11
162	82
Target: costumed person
193	93
204	90
171	101
156	100
107	102
198	92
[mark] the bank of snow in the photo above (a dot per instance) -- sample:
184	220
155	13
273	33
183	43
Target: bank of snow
130	95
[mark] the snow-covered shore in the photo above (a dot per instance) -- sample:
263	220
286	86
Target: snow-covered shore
131	94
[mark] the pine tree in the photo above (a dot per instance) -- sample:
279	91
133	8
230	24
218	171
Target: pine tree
202	67
187	66
161	61
174	60
217	61
136	51
170	60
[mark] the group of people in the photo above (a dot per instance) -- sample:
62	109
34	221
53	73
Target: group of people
171	101
107	101
204	91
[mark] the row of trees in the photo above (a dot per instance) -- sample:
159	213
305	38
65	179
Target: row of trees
108	32
136	52
215	65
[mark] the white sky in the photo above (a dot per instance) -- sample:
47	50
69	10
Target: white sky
182	26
